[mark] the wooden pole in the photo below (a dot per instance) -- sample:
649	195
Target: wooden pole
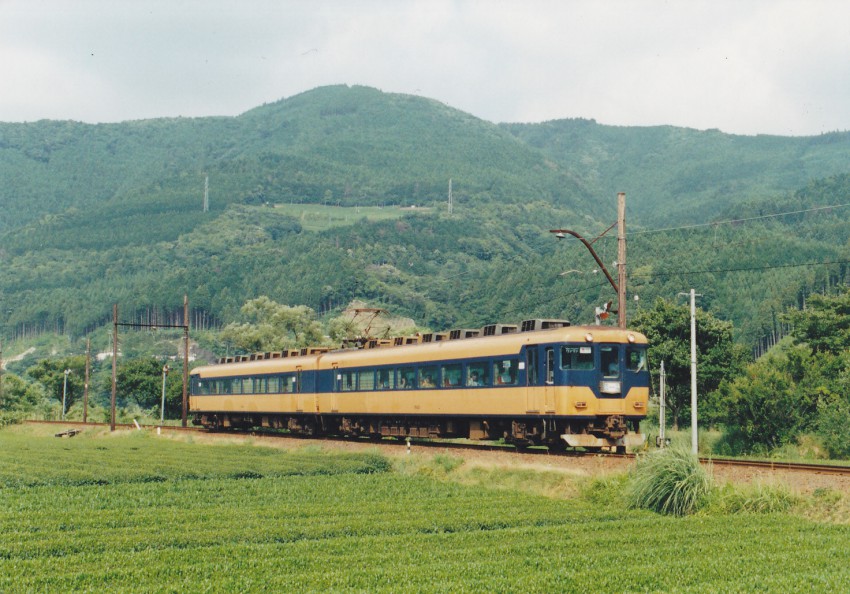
621	259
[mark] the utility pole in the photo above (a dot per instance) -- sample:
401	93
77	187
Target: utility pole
185	357
662	409
621	259
64	392
451	201
206	193
694	433
88	375
114	364
165	371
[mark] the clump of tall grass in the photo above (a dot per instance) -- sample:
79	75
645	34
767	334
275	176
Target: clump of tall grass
670	481
758	498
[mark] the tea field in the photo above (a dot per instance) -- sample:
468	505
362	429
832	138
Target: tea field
134	512
320	217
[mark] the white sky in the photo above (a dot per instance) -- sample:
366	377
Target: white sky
743	66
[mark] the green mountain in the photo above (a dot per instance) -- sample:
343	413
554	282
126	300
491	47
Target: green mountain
99	214
679	175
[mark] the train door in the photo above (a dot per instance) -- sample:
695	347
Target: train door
549	384
336	387
532	374
303	398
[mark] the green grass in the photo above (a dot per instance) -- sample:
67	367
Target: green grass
319	217
670	481
316	521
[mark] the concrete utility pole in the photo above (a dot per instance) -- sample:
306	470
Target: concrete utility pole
694	433
88	376
64	392
165	371
206	193
621	259
662	408
185	357
114	364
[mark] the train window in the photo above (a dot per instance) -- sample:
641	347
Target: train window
505	372
636	358
577	358
346	380
531	355
366	379
550	365
476	374
407	378
609	359
386	379
452	375
429	376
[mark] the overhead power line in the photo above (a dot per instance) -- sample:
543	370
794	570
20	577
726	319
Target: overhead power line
743	220
745	269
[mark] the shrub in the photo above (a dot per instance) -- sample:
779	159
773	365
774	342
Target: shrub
832	421
670	481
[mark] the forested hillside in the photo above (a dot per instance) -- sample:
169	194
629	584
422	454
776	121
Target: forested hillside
680	175
96	215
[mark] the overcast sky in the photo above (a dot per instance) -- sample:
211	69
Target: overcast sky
743	66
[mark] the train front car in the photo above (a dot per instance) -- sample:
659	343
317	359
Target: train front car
595	383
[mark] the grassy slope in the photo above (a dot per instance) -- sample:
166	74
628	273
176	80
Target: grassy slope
176	516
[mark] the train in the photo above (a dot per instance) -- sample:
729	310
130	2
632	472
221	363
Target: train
544	382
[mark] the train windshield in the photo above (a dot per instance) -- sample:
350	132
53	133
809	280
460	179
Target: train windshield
636	358
609	359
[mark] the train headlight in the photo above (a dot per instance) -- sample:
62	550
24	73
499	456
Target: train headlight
609	387
631	338
588	337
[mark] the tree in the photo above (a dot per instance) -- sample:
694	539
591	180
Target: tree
140	380
825	323
270	326
51	374
762	408
19	395
667	326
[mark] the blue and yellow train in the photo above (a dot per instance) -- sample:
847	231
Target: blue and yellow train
547	383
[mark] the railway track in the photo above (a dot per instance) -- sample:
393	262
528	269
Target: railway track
80	424
773	465
768	465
